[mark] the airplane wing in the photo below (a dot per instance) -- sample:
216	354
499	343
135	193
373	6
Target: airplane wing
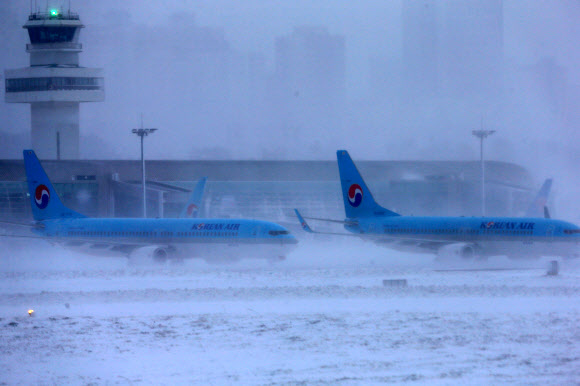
88	245
40	225
307	228
378	238
24	237
20	224
78	240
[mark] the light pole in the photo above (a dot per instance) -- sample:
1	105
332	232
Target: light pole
142	132
482	134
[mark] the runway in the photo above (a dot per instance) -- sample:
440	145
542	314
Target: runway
321	317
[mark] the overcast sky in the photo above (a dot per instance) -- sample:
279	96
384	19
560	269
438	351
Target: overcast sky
535	120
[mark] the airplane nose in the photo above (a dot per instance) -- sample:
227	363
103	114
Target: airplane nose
289	240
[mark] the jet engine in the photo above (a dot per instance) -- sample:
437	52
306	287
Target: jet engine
462	250
157	254
160	255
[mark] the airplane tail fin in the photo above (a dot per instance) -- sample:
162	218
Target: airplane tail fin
358	200
546	212
538	207
44	200
191	209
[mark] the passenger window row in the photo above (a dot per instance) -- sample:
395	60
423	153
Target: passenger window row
461	231
150	234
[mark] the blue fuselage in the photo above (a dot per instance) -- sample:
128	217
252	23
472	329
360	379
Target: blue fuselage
150	231
492	234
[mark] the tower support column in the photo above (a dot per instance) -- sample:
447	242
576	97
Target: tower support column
55	124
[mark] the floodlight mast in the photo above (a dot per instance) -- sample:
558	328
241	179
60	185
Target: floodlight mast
482	134
143	132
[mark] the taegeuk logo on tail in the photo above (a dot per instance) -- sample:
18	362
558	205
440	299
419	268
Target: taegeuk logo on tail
41	196
355	195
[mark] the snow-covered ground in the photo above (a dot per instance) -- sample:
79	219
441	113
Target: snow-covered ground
321	317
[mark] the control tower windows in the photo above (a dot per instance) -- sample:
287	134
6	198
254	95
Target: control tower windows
40	35
53	83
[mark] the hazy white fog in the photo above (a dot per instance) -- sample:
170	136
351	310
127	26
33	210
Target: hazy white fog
271	79
297	80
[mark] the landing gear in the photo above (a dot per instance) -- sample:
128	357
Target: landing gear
177	261
554	268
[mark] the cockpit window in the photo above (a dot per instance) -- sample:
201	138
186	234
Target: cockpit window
572	231
278	233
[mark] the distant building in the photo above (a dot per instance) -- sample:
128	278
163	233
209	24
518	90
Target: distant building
187	74
420	48
471	40
55	84
452	49
551	83
310	80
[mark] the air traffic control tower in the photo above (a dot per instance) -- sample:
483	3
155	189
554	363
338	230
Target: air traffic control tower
54	84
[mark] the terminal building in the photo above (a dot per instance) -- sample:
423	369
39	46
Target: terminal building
270	189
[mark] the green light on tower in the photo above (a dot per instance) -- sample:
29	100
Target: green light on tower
54	12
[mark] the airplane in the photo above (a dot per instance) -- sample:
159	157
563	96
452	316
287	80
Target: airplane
467	237
169	239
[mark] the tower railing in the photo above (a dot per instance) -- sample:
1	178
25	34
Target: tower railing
53	16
